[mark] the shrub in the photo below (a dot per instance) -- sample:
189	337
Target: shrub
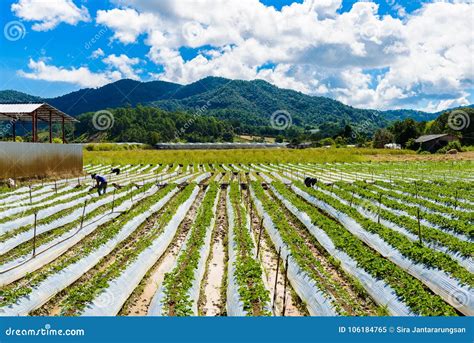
423	152
451	145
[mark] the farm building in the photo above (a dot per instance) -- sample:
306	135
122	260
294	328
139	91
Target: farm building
219	146
432	143
34	159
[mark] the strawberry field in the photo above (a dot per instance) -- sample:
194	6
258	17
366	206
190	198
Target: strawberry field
292	239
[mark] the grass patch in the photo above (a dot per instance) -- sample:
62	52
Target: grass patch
320	155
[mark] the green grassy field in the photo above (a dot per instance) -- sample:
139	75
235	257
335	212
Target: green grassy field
320	155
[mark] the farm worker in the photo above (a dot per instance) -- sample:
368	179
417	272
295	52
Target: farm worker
11	183
101	183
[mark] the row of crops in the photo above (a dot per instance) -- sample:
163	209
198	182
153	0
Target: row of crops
349	239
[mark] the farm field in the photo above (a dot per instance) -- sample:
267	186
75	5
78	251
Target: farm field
313	155
318	155
242	239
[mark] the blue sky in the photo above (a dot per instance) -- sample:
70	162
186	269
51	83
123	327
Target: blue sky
379	54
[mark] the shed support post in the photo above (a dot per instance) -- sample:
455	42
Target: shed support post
14	131
50	127
33	133
62	129
36	126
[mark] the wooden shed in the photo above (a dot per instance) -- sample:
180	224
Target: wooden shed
34	113
432	143
32	159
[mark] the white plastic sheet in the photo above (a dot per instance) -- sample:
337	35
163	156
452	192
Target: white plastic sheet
202	177
466	262
156	308
195	289
234	304
77	213
317	302
422	221
448	288
44	213
382	293
26	206
58	281
13	198
120	289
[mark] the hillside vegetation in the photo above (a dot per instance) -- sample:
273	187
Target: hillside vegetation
151	125
249	105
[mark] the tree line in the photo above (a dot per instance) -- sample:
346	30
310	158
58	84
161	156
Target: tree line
404	132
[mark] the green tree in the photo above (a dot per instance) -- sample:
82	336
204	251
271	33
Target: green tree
403	130
340	141
382	137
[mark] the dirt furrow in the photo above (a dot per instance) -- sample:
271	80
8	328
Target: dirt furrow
211	302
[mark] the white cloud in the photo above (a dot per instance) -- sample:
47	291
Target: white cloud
359	57
445	104
118	67
127	24
97	53
439	64
310	44
40	70
49	14
124	64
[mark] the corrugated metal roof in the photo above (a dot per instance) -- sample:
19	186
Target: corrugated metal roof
18	108
427	138
23	112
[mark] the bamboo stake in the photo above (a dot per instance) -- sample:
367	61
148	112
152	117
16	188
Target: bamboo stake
419	226
34	235
284	286
83	213
276	280
259	236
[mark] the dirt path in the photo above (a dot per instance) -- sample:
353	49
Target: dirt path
137	304
211	302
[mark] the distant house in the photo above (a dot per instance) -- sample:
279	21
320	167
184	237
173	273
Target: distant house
432	143
393	146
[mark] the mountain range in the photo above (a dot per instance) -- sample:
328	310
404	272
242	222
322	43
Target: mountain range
251	103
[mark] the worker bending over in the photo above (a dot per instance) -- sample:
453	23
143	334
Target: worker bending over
101	183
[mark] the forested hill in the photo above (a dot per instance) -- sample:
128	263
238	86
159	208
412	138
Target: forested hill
11	96
150	125
250	103
254	102
118	94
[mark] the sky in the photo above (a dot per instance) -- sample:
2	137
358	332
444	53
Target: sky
385	54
